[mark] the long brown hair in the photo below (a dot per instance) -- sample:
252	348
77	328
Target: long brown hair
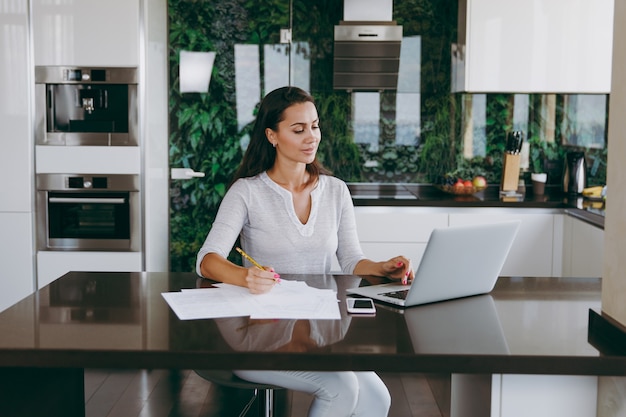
261	155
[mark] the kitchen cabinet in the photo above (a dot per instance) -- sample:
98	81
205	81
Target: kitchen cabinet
544	395
88	159
583	249
385	232
15	137
549	46
16	178
533	252
86	32
514	395
52	264
16	257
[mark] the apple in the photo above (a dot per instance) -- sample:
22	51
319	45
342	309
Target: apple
467	183
479	181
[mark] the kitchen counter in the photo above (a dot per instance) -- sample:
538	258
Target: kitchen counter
427	195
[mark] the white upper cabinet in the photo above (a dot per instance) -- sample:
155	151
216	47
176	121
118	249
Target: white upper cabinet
15	84
86	32
533	46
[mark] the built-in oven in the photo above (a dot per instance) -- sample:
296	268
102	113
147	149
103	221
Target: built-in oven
80	212
80	106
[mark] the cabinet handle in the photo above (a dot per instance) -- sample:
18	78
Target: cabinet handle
88	200
185	174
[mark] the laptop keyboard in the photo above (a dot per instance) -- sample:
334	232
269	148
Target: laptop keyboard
401	295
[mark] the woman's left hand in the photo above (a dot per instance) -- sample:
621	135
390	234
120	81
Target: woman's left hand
399	267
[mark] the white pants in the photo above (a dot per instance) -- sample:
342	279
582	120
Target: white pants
337	394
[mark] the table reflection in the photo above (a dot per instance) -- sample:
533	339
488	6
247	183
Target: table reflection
126	312
245	334
468	325
96	310
100	298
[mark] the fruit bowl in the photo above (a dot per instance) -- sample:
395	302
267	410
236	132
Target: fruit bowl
456	190
457	185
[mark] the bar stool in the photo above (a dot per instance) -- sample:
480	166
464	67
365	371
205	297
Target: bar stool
228	379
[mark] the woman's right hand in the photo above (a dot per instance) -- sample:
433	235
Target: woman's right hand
260	281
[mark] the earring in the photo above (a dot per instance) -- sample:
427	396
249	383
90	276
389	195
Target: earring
274	144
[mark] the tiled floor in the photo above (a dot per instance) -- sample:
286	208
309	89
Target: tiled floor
164	393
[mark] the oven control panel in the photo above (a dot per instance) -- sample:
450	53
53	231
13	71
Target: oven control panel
87	182
79	181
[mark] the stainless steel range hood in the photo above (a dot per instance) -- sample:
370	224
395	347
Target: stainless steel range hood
367	47
367	56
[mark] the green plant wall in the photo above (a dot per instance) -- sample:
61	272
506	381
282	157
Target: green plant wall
203	129
204	135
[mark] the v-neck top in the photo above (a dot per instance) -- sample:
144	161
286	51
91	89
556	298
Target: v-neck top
305	229
262	214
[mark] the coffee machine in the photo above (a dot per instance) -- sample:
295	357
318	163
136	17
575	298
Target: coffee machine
574	173
80	106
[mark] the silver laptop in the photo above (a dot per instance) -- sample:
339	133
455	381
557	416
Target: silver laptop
457	262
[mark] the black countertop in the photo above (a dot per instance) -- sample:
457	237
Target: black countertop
120	320
426	195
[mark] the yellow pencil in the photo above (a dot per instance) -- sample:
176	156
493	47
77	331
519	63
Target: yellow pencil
255	263
248	257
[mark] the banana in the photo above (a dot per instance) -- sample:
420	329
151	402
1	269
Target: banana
593	191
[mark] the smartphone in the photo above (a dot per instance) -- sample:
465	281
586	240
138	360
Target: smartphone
360	305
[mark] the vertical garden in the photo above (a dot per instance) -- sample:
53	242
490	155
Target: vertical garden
205	134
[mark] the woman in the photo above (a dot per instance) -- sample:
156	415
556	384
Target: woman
293	216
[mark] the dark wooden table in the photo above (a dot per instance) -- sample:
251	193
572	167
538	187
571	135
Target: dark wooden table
120	320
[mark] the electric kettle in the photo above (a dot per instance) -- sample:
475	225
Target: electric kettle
574	173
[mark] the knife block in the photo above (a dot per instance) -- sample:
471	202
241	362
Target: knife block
510	172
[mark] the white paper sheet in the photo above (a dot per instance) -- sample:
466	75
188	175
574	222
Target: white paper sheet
288	300
202	304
